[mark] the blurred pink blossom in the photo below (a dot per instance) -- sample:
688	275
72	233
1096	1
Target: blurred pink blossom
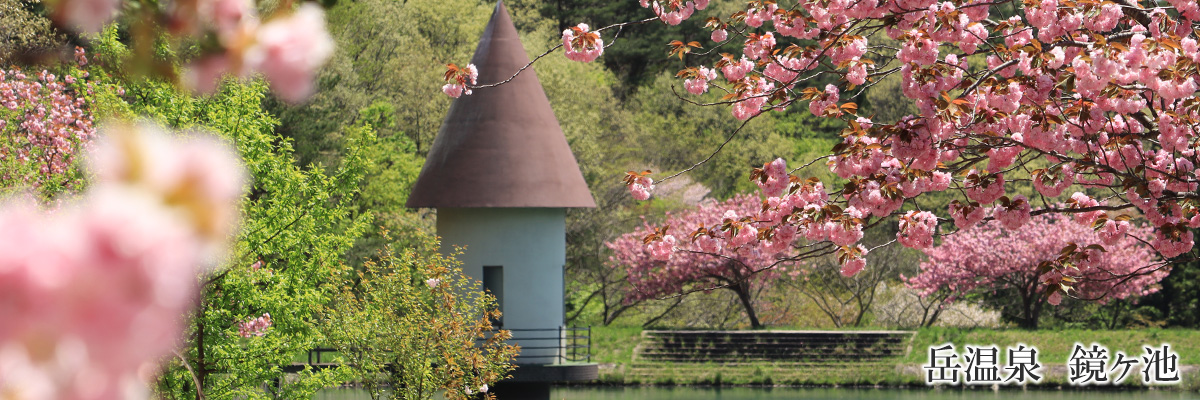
290	49
96	292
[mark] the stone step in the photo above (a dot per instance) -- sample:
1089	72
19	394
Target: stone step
748	370
771	346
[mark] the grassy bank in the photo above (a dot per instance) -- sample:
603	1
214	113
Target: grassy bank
613	348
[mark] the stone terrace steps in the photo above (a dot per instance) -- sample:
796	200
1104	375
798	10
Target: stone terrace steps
787	347
788	373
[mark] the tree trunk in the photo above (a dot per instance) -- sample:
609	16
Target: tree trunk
743	292
201	373
1031	308
1117	308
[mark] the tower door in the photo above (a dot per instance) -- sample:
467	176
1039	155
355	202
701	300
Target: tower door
493	282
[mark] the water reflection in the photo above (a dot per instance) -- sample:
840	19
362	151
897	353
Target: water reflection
691	393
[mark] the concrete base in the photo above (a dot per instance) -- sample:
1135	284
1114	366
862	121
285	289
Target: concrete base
507	390
551	373
532	381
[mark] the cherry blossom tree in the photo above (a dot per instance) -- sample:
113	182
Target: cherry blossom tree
723	252
45	118
1051	94
1018	264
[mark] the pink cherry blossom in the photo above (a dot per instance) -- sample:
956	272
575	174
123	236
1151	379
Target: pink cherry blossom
661	250
454	90
1054	181
916	229
670	263
1080	200
966	215
699	84
774	179
255	326
829	98
719	35
290	49
640	189
854	265
735	70
1169	246
51	122
1014	214
1113	231
1055	297
581	44
87	16
94	294
989	189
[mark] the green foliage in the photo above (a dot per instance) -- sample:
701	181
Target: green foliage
26	32
677	134
798	122
298	223
1177	304
387	51
390	174
412	326
383	83
640	55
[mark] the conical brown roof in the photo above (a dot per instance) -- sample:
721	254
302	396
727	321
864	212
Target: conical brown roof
501	146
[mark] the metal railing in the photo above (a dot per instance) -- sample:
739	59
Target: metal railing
314	355
570	344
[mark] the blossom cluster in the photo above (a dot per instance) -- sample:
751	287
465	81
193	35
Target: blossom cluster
674	12
255	326
640	184
47	120
459	78
94	294
581	44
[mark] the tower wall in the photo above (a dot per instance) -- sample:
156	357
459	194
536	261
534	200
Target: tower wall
530	245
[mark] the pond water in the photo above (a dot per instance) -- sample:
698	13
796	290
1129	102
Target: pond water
691	393
705	393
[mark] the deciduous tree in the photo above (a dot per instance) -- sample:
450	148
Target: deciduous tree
710	257
1018	265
